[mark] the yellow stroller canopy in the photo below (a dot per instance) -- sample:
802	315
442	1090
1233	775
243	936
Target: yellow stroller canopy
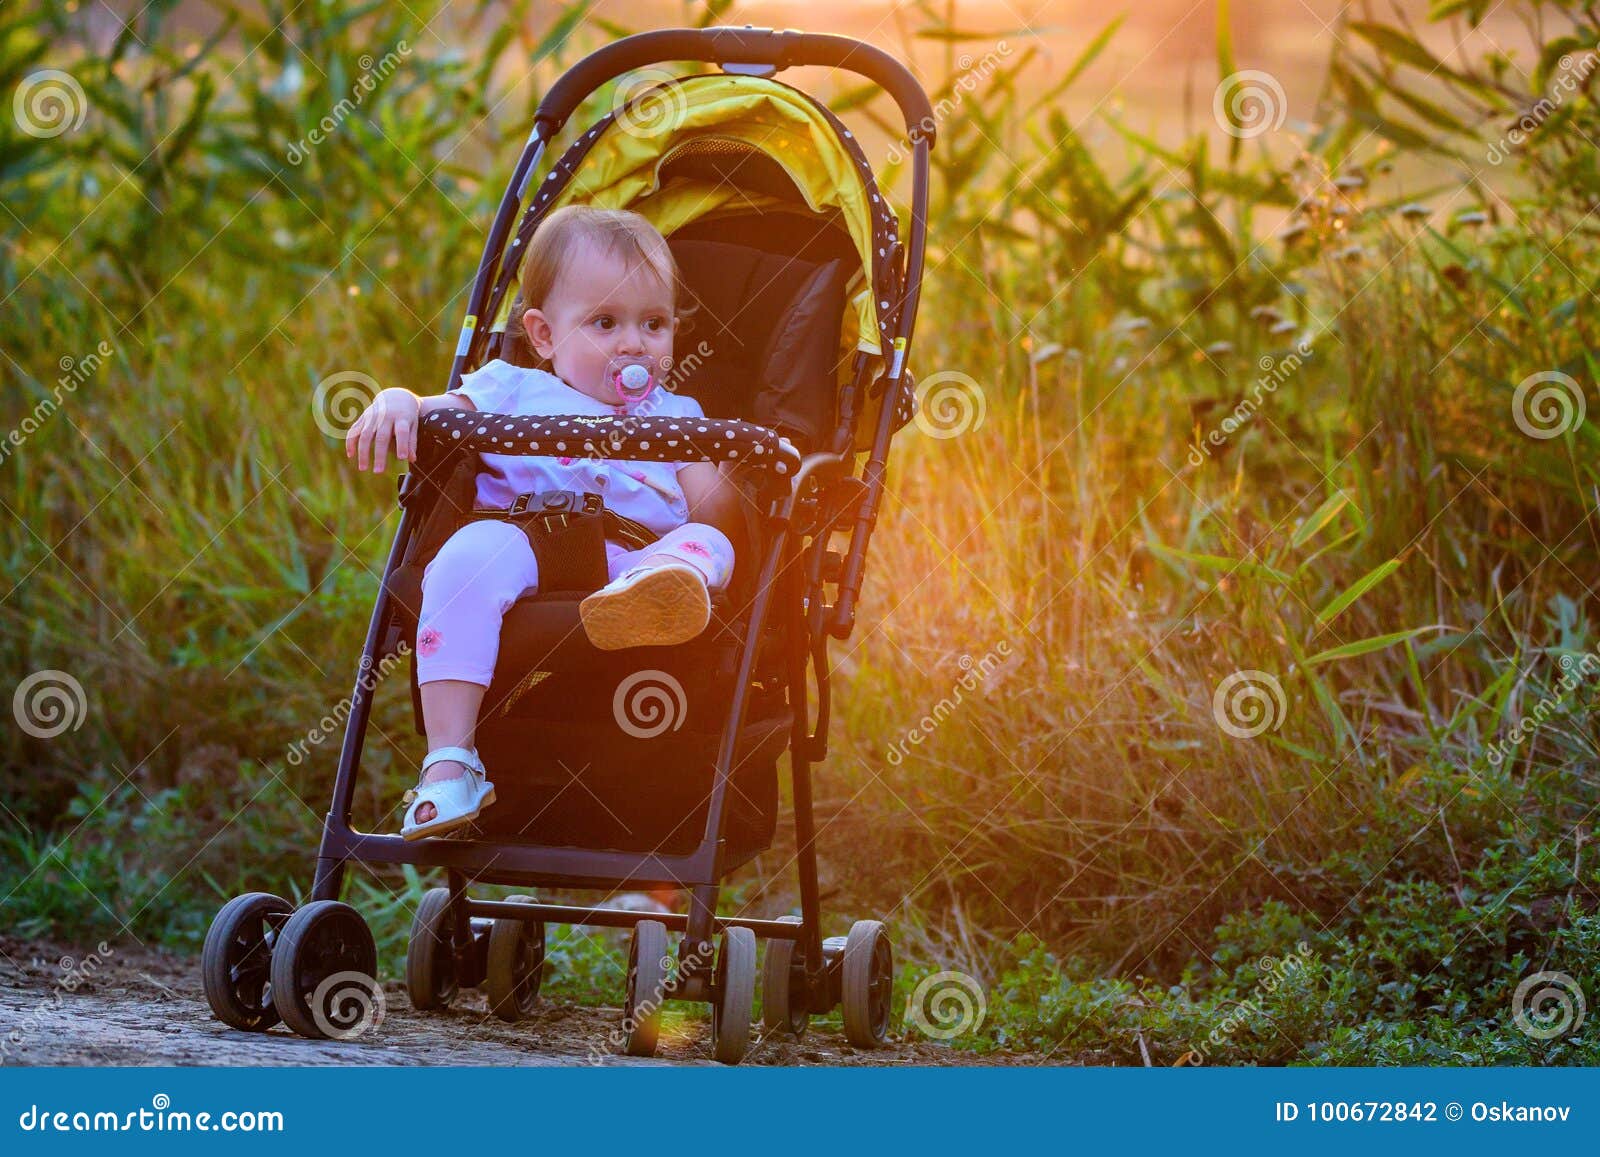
618	163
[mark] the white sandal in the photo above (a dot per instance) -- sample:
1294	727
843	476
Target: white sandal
456	801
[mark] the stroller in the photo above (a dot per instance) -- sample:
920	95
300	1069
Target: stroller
649	767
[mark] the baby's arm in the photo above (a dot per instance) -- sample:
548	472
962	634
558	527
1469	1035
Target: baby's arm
712	497
395	413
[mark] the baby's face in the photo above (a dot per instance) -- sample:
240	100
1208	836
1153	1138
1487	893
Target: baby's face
598	311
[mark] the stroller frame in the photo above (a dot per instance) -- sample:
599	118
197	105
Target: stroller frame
822	495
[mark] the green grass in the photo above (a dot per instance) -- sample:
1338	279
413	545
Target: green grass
1371	529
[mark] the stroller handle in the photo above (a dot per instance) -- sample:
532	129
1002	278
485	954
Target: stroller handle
780	49
646	439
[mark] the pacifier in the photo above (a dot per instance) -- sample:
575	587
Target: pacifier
632	381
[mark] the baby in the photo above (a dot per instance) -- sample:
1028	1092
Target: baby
602	288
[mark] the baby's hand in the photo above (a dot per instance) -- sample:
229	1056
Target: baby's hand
395	413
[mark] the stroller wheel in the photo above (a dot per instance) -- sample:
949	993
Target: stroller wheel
867	983
236	961
516	964
430	953
324	972
783	980
735	995
647	978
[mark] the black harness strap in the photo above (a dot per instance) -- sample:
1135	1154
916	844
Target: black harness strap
568	530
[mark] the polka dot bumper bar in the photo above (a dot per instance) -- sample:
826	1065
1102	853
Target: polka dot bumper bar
651	439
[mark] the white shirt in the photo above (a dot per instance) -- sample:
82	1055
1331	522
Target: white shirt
647	492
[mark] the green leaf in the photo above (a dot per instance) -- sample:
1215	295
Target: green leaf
714	11
1218	562
1511	294
1440	10
1320	517
1426	109
1395	131
1225	65
1159	681
1085	59
1305	753
1550	60
561	29
1361	586
1396	45
960	35
1226	68
855	97
1365	646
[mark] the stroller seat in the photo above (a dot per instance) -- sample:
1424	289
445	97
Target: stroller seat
615	748
591	748
542	632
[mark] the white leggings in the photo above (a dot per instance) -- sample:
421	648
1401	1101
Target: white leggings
487	565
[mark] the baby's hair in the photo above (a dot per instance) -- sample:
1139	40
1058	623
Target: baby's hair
620	232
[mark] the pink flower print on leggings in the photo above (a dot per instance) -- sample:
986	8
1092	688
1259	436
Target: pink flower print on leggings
694	548
428	641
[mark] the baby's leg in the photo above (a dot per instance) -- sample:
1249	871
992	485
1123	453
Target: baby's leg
699	544
466	590
659	595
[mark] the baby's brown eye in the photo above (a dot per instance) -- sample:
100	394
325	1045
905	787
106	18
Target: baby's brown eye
603	322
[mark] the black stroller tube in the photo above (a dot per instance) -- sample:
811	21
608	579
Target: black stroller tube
476	325
330	869
842	621
779	48
800	757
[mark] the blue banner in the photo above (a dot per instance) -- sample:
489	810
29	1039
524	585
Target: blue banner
777	1110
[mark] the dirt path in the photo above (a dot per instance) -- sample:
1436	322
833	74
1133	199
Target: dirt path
139	1007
